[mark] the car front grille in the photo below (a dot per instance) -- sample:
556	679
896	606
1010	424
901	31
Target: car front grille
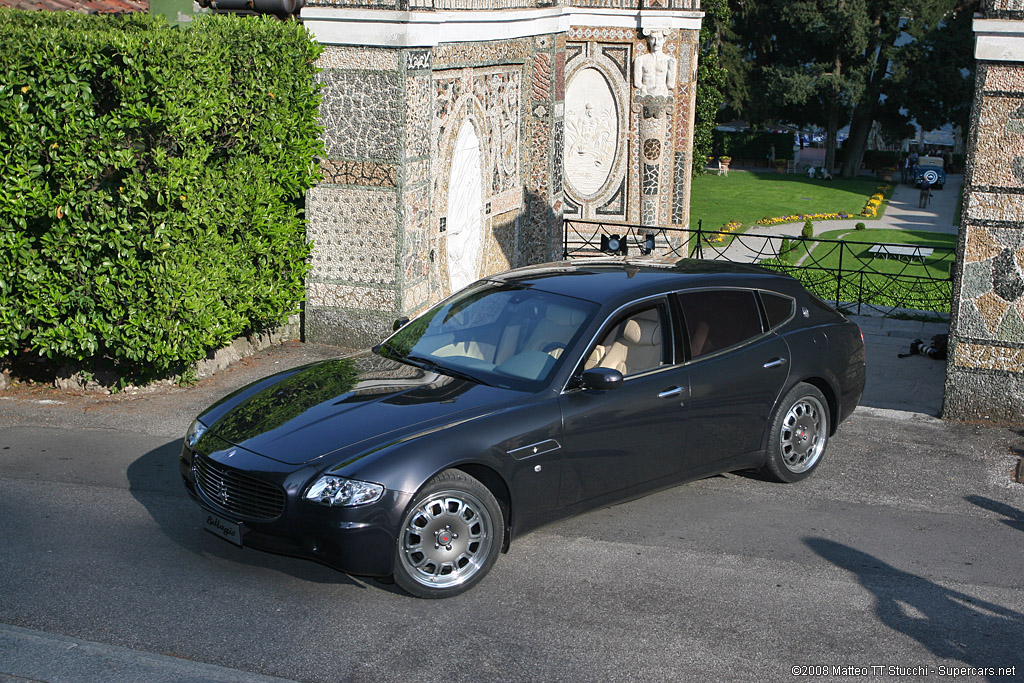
237	493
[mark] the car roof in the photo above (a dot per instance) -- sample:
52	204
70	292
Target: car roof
609	280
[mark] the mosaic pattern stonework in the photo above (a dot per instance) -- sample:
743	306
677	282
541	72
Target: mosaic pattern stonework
360	115
362	58
391	117
992	285
365	173
416	250
478	54
493	98
680	174
417	117
542	76
1003	119
354	233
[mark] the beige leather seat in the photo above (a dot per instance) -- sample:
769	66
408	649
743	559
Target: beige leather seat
555	330
637	347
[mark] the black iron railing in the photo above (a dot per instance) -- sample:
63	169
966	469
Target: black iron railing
860	277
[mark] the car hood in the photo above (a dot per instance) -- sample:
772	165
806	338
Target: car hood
336	404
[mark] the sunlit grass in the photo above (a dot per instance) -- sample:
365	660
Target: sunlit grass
746	197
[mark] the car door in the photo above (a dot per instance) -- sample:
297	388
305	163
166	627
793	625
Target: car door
737	370
632	434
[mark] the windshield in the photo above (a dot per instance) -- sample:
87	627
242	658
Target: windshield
498	334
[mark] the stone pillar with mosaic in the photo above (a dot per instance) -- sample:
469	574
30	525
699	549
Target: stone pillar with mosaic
985	372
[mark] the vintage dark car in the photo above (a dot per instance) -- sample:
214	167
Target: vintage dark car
931	170
526	397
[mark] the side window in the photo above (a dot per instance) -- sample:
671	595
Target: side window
718	319
638	341
777	307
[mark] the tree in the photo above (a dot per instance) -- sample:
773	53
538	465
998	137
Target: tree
933	81
804	61
711	80
826	62
915	56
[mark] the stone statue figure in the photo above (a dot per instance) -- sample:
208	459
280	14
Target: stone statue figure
654	73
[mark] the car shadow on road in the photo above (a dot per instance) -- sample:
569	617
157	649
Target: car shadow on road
154	480
950	624
1014	517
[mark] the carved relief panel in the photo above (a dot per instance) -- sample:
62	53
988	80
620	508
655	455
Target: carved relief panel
596	128
477	138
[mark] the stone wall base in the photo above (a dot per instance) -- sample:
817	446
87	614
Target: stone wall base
983	395
220	359
347	327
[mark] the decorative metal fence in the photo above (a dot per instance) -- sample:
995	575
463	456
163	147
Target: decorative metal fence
450	5
860	277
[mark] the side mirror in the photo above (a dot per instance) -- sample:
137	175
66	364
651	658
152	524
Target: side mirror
602	379
399	324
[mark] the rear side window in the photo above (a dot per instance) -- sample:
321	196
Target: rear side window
719	318
777	307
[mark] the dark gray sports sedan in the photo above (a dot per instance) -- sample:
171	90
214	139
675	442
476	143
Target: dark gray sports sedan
524	398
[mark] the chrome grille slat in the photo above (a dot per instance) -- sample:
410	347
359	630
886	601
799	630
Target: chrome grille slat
237	493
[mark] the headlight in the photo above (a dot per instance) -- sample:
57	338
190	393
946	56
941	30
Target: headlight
344	492
195	431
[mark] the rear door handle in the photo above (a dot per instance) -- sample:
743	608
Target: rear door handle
669	393
775	363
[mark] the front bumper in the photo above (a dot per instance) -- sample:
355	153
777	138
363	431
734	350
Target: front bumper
357	540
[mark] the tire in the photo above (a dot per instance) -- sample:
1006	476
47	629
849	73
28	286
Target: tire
449	538
798	434
931	176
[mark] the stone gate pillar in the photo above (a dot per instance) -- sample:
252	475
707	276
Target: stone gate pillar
985	372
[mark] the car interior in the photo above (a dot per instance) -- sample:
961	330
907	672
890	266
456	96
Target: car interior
633	345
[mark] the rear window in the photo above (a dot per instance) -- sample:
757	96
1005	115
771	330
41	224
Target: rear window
719	318
777	307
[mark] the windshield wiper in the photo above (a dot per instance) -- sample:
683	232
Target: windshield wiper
434	366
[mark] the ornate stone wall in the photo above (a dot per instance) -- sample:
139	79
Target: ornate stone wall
627	149
447	133
985	375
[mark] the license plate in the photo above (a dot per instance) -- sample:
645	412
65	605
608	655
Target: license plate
224	528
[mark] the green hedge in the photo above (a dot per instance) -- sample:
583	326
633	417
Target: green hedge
753	147
151	184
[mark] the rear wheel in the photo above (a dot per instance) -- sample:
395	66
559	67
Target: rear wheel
450	537
798	434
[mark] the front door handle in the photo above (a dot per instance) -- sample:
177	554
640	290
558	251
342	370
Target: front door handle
775	363
669	393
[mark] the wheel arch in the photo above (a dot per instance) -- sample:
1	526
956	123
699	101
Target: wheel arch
825	387
495	483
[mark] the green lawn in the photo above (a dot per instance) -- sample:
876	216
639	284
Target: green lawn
873	280
859	241
746	196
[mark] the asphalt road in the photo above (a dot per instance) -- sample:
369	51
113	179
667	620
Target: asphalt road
905	549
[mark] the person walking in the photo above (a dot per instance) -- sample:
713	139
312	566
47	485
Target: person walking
926	194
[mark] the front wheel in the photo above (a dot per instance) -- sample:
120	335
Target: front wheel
798	434
450	537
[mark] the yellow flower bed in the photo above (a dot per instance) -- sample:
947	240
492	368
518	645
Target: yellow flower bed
793	218
870	211
731	226
871	208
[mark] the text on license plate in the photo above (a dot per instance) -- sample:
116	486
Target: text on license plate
226	529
